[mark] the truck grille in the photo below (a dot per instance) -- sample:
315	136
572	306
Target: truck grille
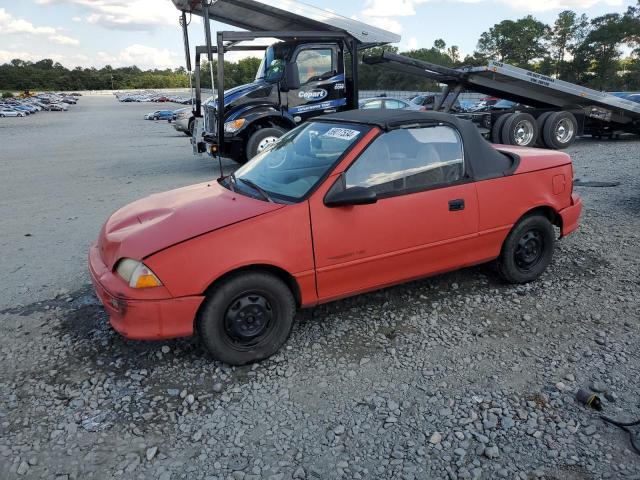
210	120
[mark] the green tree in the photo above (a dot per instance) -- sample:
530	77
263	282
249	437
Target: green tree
569	30
517	42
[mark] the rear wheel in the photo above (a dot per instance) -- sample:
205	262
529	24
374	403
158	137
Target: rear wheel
247	318
496	131
560	130
540	121
262	139
528	250
520	129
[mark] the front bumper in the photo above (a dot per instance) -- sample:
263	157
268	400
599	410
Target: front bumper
571	215
141	319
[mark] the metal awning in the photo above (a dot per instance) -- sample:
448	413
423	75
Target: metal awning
287	15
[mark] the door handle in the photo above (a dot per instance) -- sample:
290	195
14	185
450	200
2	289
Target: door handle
456	205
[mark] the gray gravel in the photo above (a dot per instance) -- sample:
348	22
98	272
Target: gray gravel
458	376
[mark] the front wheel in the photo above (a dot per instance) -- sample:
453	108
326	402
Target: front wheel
528	250
262	139
247	317
189	132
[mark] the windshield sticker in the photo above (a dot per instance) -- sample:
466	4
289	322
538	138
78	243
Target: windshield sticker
342	133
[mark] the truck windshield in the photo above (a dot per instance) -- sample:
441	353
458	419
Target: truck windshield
294	165
273	63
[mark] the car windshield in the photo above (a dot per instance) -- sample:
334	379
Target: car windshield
273	63
504	104
293	166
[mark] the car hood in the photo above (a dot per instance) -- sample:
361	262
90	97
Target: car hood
232	95
165	219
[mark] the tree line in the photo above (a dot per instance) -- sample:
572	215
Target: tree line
602	53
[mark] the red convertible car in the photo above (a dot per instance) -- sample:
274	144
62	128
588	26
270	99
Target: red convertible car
343	204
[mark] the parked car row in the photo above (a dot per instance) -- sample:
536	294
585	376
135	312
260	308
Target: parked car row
150	96
22	107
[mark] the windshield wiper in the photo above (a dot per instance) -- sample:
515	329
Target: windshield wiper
258	189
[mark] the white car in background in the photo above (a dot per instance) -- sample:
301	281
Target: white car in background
10	113
59	107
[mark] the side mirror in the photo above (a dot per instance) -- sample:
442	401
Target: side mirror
291	78
350	196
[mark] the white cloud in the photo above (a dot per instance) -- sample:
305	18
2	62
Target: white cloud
125	14
404	8
142	56
412	44
9	25
63	40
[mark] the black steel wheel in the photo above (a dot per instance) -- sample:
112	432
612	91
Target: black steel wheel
528	250
247	317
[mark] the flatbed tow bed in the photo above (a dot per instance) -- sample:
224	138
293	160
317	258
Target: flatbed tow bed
561	110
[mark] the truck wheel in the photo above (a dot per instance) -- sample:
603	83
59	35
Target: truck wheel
496	131
560	130
262	139
540	121
528	250
520	129
189	132
247	318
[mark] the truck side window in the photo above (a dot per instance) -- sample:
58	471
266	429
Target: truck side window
409	160
314	64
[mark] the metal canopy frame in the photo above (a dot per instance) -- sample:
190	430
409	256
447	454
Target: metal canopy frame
280	19
285	15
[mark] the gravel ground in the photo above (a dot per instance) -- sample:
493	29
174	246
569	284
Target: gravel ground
458	376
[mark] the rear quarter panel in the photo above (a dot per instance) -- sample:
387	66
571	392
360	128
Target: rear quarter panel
503	201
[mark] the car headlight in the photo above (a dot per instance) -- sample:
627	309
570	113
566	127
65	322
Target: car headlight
234	125
137	274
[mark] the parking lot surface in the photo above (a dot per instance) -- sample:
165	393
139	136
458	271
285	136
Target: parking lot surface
458	376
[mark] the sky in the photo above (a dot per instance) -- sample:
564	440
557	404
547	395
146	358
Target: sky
146	32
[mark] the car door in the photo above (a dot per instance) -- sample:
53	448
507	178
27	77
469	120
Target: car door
322	82
425	217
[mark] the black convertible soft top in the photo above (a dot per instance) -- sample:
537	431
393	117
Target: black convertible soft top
482	160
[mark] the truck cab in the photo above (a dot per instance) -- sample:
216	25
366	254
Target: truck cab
296	80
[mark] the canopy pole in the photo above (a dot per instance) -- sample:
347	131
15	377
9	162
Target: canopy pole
456	93
438	102
207	36
220	102
355	91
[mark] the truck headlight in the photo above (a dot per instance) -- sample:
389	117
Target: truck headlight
137	274
234	125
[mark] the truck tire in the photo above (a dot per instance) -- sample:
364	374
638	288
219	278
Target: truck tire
560	130
520	129
496	131
540	121
261	139
247	317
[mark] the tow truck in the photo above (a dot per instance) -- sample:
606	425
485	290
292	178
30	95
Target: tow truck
309	69
548	112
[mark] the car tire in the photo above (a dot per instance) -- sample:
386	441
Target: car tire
528	250
520	129
496	130
1	115
155	118
560	130
246	318
261	139
189	132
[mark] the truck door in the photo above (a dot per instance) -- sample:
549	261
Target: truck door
322	81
